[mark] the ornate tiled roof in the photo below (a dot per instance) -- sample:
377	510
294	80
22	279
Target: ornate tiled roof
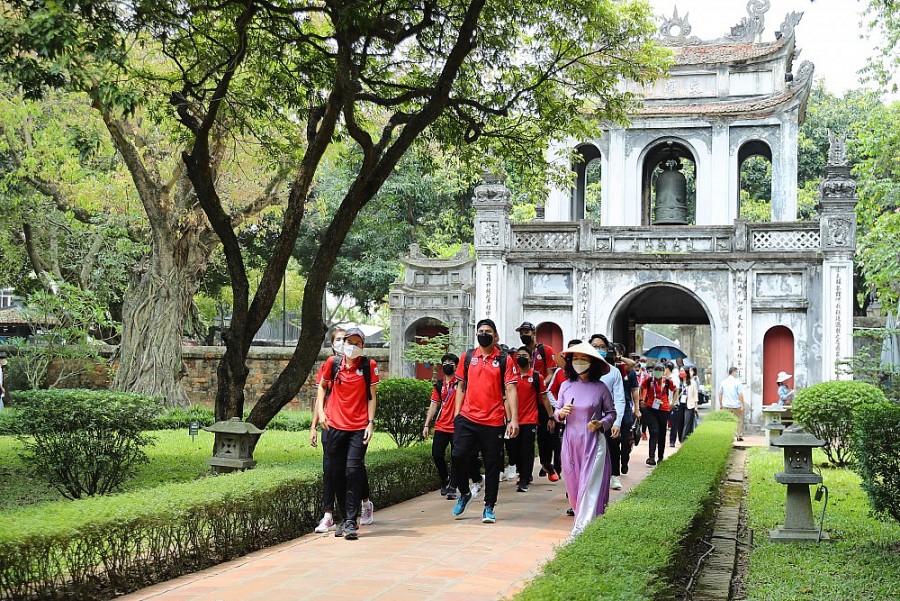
714	54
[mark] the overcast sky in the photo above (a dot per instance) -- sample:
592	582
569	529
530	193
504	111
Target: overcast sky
828	34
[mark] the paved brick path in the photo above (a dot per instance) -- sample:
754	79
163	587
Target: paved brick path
414	550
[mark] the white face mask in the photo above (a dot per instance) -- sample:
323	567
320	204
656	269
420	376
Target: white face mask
351	351
338	348
580	366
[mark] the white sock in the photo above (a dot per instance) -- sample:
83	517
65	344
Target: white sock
328	516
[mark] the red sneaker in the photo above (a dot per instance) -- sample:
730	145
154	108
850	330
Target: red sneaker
554	477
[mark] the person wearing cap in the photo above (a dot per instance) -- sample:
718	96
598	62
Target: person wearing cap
532	393
327	521
3	391
586	405
349	419
481	413
785	394
543	364
655	409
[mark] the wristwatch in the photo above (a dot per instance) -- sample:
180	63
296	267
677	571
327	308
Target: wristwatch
371	421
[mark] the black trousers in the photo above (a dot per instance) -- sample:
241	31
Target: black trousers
656	420
469	438
690	418
549	443
439	455
620	448
346	461
521	450
328	488
677	422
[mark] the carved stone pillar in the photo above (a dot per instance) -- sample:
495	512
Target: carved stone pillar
492	202
837	222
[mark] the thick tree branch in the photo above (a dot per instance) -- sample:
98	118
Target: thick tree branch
30	250
84	277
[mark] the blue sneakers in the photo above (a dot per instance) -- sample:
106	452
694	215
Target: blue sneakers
461	505
487	516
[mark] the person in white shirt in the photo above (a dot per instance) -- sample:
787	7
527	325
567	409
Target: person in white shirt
2	386
731	397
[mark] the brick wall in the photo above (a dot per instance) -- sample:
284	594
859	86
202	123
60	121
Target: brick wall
200	381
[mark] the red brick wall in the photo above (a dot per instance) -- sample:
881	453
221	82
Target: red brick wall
200	363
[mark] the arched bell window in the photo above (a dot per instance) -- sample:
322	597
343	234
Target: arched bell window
669	194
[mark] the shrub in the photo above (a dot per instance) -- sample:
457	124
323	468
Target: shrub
101	547
876	450
9	421
179	418
826	411
615	557
84	442
402	404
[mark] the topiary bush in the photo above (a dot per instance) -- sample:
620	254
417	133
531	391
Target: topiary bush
402	404
876	453
826	411
84	442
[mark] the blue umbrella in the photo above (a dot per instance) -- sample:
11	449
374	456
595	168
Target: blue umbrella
665	352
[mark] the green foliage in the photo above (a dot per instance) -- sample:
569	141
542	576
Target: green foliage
867	364
860	562
402	404
876	453
84	442
826	411
884	24
9	420
62	320
91	547
430	349
615	558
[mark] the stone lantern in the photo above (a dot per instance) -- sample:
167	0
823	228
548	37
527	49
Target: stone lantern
798	475
232	447
772	424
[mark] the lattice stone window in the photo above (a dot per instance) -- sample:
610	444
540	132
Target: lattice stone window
787	240
544	240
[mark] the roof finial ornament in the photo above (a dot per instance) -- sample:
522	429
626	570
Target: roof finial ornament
791	20
837	148
750	27
675	31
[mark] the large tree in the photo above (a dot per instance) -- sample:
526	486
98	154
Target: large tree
494	79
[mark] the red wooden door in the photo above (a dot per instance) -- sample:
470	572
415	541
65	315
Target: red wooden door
778	355
550	333
426	371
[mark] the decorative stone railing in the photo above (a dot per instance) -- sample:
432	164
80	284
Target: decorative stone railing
743	237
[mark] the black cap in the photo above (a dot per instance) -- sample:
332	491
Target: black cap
526	325
487	322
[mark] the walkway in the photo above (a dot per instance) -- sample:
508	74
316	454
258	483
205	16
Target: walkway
414	550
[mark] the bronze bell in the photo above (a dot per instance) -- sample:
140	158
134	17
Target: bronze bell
671	195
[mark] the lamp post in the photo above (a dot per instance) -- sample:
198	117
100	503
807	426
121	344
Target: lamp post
798	475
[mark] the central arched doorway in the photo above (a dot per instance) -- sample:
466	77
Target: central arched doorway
670	311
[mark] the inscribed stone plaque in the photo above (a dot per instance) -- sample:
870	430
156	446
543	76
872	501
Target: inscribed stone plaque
542	283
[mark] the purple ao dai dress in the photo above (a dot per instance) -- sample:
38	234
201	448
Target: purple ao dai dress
585	462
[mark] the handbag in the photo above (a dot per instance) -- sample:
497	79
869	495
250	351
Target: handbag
636	432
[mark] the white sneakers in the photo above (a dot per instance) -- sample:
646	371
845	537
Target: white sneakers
325	524
475	488
615	483
512	473
367	515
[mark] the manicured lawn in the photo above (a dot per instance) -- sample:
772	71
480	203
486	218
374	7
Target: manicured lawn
173	458
861	562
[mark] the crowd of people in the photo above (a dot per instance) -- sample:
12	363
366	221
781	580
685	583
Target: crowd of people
586	407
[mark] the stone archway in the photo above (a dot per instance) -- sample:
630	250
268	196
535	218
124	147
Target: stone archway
423	327
665	303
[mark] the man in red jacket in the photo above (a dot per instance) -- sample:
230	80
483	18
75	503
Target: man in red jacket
486	374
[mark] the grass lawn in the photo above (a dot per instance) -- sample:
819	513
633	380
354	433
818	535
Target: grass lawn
173	458
861	562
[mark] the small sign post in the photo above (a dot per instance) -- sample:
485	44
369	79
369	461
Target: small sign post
193	429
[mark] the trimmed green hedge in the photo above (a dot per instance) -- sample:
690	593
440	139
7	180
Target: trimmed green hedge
630	552
876	449
99	548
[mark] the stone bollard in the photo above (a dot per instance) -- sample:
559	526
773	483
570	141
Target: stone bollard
798	475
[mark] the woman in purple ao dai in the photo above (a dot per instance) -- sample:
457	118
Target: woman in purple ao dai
586	405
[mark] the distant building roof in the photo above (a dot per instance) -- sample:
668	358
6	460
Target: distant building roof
12	316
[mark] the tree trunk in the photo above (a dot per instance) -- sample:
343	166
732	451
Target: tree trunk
154	312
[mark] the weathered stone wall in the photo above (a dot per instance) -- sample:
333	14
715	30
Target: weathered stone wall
200	363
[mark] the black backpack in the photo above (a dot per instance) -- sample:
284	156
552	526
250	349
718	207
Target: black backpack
366	368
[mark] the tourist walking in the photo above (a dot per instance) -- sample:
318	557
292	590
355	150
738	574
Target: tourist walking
349	418
655	411
543	363
443	401
613	381
677	418
327	521
586	405
731	397
3	393
692	400
531	393
487	375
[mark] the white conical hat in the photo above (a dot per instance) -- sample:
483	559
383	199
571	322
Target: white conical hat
586	349
782	376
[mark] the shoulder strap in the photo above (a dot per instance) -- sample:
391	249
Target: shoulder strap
536	380
468	360
502	360
367	375
335	368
